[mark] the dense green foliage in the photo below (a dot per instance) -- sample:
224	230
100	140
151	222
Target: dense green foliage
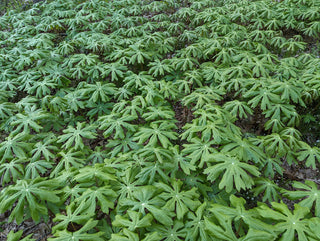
161	120
7	5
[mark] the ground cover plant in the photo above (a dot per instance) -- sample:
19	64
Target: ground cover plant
160	120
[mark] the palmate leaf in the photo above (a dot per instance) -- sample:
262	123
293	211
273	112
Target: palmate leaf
158	67
94	72
212	73
270	166
233	75
83	234
309	154
82	60
202	96
288	70
314	224
119	106
11	171
15	146
244	150
103	197
74	214
178	200
71	192
151	94
75	135
137	55
74	100
238	108
216	130
29	194
158	112
234	172
195	77
275	124
309	191
116	125
69	159
6	110
145	198
288	224
175	232
293	46
36	168
99	91
137	80
288	91
263	97
97	155
65	48
29	121
116	70
202	50
133	220
212	113
278	111
27	103
178	162
127	183
186	63
44	149
199	150
240	215
123	94
12	236
268	188
150	172
223	231
42	88
122	146
135	107
191	130
157	133
196	225
292	137
274	144
94	173
224	55
126	235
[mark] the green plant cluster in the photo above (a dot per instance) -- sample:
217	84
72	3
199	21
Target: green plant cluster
161	120
6	5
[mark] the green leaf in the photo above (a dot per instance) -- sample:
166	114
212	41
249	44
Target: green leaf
29	193
15	145
11	171
83	234
196	225
234	172
309	192
114	124
144	198
75	135
310	155
133	220
12	236
74	215
96	172
157	133
103	197
177	200
288	224
268	188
